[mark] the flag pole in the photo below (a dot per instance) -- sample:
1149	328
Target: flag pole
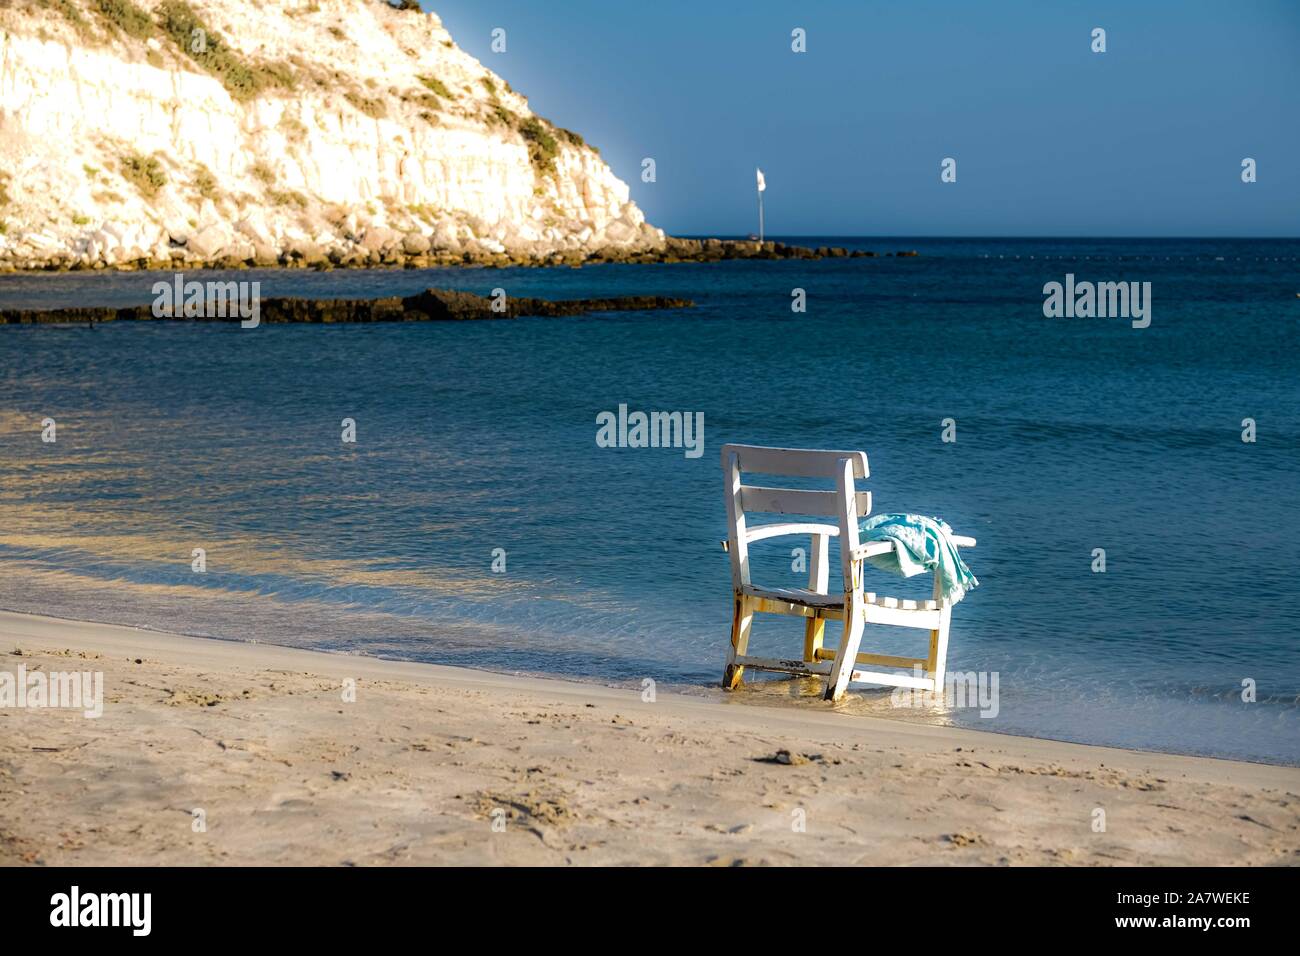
760	215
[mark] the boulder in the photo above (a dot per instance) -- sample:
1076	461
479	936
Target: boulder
241	250
308	251
415	244
207	242
265	254
619	232
378	238
651	237
444	237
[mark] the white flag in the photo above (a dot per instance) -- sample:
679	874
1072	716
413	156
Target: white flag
762	183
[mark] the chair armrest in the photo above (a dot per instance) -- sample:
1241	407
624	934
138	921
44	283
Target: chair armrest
871	549
759	532
868	550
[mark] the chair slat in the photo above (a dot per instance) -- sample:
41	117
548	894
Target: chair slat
882	660
798	462
891	680
804	668
798	501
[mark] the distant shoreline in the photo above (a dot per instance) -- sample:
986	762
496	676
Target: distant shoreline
674	250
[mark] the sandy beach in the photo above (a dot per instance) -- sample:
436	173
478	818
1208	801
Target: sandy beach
212	752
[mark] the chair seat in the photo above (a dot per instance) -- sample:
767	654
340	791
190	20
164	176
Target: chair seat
812	599
800	596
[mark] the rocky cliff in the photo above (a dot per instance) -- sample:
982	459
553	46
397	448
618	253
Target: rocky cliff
157	132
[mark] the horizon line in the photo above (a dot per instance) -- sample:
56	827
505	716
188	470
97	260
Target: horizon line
903	235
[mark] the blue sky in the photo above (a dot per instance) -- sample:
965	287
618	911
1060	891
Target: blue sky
1050	138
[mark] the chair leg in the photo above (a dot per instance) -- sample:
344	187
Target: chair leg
742	620
818	580
814	632
937	665
847	655
938	658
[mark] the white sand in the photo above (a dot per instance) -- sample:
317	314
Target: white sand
260	739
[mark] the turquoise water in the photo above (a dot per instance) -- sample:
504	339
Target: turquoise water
1072	434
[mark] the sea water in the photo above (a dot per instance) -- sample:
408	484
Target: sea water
477	520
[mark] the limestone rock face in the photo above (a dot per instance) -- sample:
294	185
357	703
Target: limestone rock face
197	131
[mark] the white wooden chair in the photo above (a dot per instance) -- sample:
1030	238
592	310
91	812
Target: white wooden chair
816	603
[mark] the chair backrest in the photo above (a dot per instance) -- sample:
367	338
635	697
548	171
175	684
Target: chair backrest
845	503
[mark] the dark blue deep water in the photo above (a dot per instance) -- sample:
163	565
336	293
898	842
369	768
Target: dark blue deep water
1072	435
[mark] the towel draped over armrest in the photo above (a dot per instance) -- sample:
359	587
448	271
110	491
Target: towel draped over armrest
921	544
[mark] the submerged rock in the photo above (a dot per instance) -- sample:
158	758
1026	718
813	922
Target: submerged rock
427	306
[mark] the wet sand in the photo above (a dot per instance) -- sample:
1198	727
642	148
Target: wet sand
213	752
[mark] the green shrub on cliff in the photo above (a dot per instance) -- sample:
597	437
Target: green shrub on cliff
263	173
288	197
435	85
574	139
370	106
501	116
145	173
126	16
207	48
205	184
542	146
69	11
536	132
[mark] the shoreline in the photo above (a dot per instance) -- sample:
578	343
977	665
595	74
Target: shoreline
428	758
772	694
397	256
